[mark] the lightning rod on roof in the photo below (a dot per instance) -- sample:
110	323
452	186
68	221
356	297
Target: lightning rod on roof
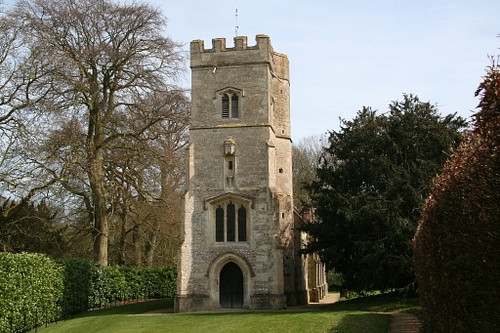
236	20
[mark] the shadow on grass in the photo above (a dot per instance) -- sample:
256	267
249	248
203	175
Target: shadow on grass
134	308
167	306
377	303
363	322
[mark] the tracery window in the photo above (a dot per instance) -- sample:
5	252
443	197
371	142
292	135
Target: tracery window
230	103
230	222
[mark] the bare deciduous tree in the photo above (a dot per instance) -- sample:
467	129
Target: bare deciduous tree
101	59
148	170
20	72
305	154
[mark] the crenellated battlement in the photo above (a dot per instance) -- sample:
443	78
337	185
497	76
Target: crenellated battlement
263	43
240	53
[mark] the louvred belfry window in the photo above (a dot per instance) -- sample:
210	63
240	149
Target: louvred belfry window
230	103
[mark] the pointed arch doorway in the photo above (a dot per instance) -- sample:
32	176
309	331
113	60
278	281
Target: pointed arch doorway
231	286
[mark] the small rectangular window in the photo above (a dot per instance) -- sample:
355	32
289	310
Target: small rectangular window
230	165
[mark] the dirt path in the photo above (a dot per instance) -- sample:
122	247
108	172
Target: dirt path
405	323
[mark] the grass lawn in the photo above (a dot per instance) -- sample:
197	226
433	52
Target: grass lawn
345	316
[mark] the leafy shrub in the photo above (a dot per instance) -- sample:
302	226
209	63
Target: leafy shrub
124	283
31	288
77	291
115	285
35	290
334	280
97	283
457	244
162	282
136	282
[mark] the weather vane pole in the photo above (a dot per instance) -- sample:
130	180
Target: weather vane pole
236	19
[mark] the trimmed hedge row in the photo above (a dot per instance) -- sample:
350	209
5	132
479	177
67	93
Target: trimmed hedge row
78	276
36	290
113	284
30	291
457	245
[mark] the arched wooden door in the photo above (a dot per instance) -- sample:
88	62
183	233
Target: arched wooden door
231	286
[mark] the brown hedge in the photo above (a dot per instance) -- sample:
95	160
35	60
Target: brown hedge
457	244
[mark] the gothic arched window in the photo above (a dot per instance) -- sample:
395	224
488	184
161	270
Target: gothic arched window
231	222
230	103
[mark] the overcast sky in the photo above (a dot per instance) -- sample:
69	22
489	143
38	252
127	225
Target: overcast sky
348	54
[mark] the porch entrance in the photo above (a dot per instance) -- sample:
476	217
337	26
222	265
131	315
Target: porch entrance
231	286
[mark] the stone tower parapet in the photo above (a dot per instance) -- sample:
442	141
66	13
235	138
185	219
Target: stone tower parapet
221	55
240	54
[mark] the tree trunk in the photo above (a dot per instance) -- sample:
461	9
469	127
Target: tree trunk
151	244
97	185
137	246
102	231
123	240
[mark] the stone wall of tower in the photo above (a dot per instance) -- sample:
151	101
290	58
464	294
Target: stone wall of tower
260	177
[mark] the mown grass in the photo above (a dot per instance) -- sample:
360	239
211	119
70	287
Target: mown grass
347	316
389	302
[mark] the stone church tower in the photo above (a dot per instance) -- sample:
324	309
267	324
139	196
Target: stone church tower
237	233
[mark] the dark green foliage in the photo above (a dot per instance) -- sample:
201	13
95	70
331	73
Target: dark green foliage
161	282
372	181
457	245
31	287
98	284
78	291
35	290
114	284
29	227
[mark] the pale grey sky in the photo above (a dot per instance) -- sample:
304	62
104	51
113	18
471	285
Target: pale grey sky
348	54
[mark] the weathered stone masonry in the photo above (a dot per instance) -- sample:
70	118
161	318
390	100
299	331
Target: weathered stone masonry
237	236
